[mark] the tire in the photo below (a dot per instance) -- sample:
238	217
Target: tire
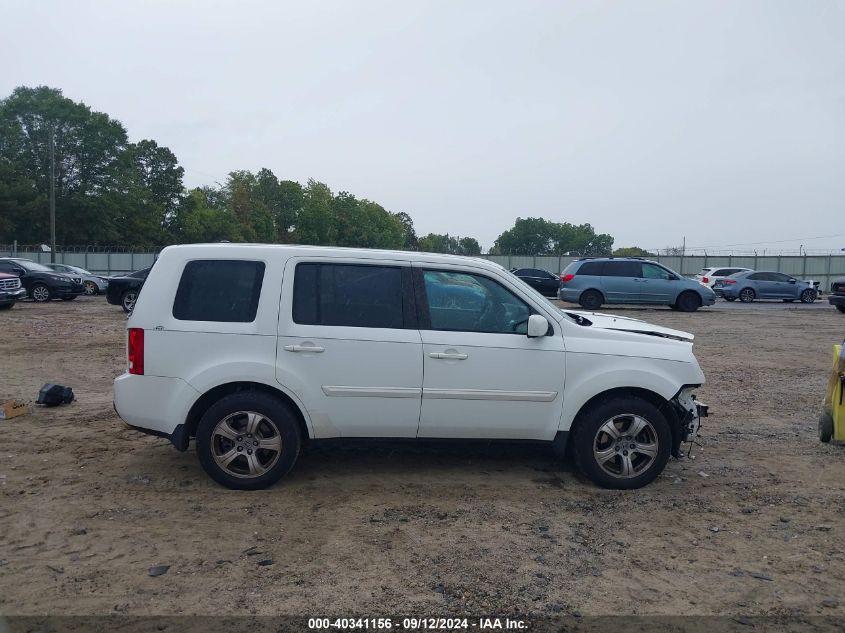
91	288
825	427
40	293
591	299
688	302
224	432
591	441
128	299
71	298
747	295
808	296
841	308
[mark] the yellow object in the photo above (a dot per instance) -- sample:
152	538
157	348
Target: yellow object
836	391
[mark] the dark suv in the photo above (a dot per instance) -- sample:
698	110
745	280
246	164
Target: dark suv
594	281
542	281
41	283
837	294
123	290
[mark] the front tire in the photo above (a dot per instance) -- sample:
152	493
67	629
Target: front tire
128	299
591	299
808	296
248	440
825	427
622	442
688	302
41	293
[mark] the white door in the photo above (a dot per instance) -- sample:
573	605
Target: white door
349	346
483	377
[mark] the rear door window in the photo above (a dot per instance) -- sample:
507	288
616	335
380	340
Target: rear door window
349	295
221	290
622	269
591	268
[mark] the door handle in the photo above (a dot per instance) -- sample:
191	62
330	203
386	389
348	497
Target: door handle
446	356
304	348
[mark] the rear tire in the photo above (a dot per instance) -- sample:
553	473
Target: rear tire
91	289
825	427
591	299
233	425
632	459
128	299
688	302
747	295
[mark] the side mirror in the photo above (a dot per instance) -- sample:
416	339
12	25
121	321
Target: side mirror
537	326
792	281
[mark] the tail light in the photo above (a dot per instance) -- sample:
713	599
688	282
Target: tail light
135	351
565	278
728	282
705	280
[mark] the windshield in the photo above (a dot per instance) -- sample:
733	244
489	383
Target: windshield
77	269
545	300
33	266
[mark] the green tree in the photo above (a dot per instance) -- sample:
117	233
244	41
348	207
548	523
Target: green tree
632	251
538	236
451	244
315	223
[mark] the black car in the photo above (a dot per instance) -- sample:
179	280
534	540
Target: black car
837	294
123	291
541	280
41	283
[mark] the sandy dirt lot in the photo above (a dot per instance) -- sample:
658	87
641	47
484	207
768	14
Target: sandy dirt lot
754	524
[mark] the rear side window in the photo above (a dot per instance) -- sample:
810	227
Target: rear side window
622	269
222	290
591	268
348	295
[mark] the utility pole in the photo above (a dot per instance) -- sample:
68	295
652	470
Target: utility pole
52	195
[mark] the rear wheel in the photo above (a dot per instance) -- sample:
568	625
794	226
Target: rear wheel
40	293
591	299
746	295
248	440
623	442
825	427
808	296
91	288
688	302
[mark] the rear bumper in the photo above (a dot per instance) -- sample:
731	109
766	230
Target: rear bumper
179	438
569	294
153	404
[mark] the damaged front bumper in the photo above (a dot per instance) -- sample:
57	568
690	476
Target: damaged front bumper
688	412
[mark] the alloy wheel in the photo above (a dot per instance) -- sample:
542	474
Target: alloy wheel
246	444
90	288
129	300
625	446
41	293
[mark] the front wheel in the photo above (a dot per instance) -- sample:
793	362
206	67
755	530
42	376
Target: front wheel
591	299
688	302
808	296
248	440
128	299
825	427
623	442
40	293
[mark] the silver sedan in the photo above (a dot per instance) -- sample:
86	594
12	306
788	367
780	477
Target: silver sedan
94	284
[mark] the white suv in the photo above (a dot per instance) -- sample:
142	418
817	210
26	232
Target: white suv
709	276
255	349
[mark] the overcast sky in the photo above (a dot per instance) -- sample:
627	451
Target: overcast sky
720	121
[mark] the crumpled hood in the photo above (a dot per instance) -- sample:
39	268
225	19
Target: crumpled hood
626	324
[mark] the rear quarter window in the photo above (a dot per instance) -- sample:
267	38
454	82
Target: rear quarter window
225	291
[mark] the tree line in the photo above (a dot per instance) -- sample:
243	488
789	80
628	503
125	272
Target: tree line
111	191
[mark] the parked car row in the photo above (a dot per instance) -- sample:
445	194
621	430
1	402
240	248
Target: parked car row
20	278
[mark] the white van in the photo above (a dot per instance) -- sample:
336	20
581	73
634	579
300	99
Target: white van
256	349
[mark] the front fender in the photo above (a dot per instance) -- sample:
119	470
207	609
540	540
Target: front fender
589	375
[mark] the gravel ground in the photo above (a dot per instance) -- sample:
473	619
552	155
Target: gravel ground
752	525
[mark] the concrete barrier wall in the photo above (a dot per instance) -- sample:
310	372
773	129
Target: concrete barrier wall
821	268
